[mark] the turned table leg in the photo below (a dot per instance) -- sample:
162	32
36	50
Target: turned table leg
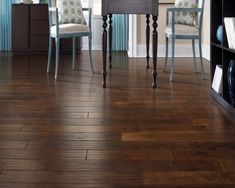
147	38
104	43
155	41
110	39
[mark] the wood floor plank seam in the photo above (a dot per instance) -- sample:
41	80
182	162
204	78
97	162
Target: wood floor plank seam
26	145
73	133
88	114
221	165
21	128
86	154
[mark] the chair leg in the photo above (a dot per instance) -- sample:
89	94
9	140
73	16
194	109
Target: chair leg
49	55
166	57
57	57
74	51
90	54
194	56
201	59
173	59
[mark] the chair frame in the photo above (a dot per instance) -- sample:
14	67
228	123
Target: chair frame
58	36
173	37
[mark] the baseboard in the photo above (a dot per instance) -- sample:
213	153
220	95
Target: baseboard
94	47
180	51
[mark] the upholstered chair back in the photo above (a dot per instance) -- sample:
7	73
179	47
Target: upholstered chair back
70	11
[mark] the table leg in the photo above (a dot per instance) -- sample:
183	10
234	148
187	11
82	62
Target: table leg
147	38
104	43
110	39
155	41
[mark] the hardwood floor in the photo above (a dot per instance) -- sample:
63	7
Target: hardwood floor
73	133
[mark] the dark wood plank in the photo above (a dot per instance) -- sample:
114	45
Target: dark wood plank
10	127
81	145
191	155
176	136
130	154
20	136
13	144
78	176
188	178
174	186
73	133
109	165
44	185
20	154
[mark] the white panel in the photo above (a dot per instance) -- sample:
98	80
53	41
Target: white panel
132	43
97	31
97	7
96	35
96	25
181	50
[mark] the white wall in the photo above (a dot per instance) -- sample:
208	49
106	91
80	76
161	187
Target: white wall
206	30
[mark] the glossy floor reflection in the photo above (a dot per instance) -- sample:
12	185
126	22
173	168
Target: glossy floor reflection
73	133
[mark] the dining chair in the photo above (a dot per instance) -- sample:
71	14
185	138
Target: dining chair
186	24
69	23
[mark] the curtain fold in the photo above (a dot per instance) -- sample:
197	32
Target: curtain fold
120	32
5	24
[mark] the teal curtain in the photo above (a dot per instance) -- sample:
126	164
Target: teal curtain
5	24
120	32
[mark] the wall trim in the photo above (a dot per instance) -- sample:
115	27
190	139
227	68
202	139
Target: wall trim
181	50
94	47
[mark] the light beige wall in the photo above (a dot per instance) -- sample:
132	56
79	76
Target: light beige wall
141	22
206	24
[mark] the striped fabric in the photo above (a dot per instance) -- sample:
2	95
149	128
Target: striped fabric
5	24
120	32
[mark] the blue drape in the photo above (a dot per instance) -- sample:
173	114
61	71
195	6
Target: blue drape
5	24
120	32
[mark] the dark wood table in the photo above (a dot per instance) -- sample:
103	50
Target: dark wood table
147	7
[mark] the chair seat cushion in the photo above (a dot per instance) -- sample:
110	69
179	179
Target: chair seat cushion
70	29
182	30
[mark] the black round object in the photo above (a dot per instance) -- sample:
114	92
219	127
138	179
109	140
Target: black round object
231	81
